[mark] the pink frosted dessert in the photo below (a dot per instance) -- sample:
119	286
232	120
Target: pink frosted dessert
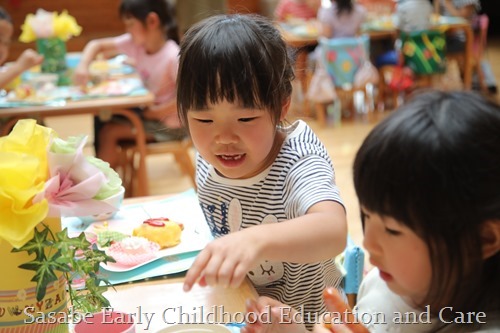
133	250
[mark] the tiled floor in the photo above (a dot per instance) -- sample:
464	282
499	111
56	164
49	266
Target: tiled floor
342	143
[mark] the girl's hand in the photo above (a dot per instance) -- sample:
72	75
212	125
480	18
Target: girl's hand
28	59
225	261
345	322
81	75
269	315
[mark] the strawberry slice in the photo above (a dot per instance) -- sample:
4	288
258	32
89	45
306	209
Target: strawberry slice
156	222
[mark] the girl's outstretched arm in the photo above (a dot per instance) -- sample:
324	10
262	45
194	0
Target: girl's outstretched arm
90	52
318	235
25	61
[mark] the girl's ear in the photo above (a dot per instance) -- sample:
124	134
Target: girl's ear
490	236
152	20
285	108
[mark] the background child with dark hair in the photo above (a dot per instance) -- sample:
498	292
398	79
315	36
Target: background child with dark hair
151	43
427	179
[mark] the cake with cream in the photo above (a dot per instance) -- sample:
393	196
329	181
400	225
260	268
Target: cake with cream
161	230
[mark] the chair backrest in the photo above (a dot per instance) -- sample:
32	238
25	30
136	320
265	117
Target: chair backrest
352	261
424	51
342	57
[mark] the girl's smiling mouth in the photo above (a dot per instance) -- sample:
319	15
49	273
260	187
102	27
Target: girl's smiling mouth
231	160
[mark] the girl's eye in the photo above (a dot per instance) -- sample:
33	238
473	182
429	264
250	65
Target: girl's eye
246	120
204	121
392	232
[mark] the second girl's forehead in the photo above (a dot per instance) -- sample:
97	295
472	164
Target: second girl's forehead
383	218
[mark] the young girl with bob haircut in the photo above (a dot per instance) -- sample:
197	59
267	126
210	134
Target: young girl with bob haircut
267	189
428	179
151	44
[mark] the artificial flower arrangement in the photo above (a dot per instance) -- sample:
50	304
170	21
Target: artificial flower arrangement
51	30
46	24
43	176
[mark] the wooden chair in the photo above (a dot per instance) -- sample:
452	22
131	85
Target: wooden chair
342	57
478	48
425	68
128	161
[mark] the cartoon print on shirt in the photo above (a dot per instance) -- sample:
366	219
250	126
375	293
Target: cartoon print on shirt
267	271
263	273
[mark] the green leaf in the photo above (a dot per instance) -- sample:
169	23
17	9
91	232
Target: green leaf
44	274
37	244
65	243
56	253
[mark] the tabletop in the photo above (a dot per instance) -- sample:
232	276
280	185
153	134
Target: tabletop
102	106
160	302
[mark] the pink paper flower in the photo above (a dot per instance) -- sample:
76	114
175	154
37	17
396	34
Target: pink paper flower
43	176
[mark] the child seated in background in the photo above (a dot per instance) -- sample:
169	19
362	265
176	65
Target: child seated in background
296	10
466	9
151	43
455	43
413	15
427	179
343	19
25	61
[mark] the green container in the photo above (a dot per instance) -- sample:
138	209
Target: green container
54	61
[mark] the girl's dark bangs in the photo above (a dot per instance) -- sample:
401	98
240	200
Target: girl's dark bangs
384	174
208	74
219	83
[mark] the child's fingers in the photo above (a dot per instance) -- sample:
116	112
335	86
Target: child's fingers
335	304
196	270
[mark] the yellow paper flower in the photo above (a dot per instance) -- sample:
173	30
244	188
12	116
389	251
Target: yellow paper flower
48	25
65	26
27	32
44	176
23	171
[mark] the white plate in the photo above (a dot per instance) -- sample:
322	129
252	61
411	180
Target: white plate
183	208
195	328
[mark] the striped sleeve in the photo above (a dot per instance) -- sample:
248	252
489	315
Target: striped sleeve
310	181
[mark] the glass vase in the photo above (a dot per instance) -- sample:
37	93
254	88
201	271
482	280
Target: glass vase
54	57
19	310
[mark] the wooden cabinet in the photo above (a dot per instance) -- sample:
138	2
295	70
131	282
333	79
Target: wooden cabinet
243	6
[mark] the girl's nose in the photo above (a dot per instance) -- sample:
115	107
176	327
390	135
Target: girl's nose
226	136
370	240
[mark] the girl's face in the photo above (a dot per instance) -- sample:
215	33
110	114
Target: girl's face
239	143
401	256
6	31
135	28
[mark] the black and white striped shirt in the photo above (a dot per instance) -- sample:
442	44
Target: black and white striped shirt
301	176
